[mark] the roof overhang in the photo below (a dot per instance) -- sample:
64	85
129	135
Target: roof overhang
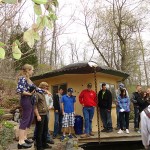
80	68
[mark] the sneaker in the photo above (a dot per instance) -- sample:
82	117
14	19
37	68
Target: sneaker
120	131
70	136
91	133
84	135
127	131
139	131
62	138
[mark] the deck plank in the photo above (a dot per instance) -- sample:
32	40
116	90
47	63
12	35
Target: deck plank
111	137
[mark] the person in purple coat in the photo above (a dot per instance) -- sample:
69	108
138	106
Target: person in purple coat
124	110
26	89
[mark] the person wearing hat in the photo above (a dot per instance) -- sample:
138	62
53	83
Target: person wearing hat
118	92
87	99
68	111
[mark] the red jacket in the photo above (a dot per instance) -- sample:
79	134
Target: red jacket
87	98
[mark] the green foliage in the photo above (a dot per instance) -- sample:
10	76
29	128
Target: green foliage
6	135
29	38
42	20
10	1
2	44
43	68
31	35
37	9
16	50
7	124
40	1
1	112
9	98
2	53
28	53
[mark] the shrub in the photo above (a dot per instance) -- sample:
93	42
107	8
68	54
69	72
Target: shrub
1	112
6	134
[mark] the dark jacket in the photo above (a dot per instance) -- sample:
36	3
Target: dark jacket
41	104
137	101
106	101
56	103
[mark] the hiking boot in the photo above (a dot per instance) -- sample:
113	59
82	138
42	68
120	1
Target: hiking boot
84	135
91	133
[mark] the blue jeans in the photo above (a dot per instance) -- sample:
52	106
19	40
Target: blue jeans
88	113
106	118
124	117
57	123
118	120
136	117
48	134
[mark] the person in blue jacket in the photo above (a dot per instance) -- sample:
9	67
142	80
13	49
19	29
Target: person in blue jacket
124	110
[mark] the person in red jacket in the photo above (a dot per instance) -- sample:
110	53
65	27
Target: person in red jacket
87	99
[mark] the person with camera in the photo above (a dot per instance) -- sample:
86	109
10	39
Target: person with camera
26	89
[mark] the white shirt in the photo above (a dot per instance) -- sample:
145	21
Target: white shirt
49	101
145	128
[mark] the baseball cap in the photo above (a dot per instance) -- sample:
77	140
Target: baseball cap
121	85
70	90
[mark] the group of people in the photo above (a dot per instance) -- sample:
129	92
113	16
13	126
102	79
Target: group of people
37	101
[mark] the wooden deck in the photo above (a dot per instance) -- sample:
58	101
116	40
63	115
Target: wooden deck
111	137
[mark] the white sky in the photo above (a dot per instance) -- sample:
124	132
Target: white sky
75	32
